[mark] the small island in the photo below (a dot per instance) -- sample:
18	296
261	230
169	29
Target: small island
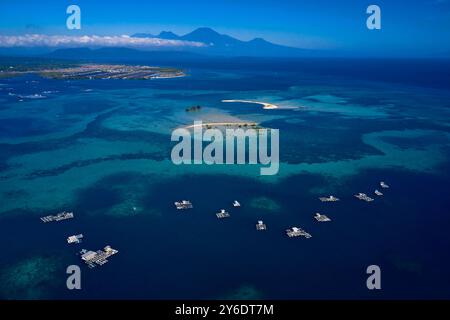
193	108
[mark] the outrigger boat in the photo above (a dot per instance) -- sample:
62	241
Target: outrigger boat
260	226
297	232
363	196
329	199
222	214
183	204
321	217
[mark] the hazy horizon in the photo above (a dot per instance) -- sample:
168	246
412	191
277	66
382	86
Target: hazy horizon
416	29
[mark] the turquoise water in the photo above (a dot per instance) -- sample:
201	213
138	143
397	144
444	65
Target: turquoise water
102	149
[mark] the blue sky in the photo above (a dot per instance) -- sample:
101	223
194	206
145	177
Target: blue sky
415	26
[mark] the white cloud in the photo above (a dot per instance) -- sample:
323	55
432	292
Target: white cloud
41	40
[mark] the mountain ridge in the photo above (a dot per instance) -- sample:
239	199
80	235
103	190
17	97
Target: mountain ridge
120	54
222	44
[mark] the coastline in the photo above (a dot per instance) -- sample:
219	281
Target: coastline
93	71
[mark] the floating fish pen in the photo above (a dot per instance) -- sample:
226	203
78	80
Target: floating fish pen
329	199
321	217
222	214
75	239
363	196
236	204
183	205
378	193
99	258
297	232
384	185
260	226
58	217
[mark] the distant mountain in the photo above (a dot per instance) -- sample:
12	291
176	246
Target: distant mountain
211	37
168	35
216	45
221	44
163	35
121	54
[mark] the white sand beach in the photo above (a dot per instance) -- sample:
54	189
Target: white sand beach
264	104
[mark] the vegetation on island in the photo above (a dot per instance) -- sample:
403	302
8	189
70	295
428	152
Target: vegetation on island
193	108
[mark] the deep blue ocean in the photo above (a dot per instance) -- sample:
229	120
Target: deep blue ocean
101	148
